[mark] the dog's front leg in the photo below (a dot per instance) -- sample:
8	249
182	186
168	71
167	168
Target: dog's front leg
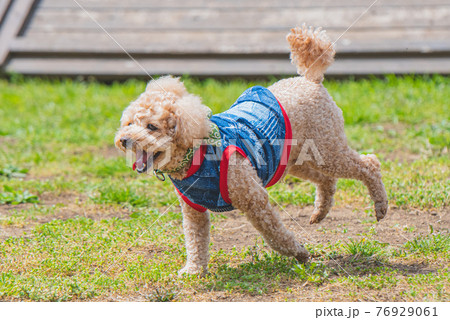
248	195
196	232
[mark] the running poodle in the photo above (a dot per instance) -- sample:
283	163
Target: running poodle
224	162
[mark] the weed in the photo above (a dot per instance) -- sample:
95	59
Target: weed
433	243
313	272
256	277
127	195
377	282
162	295
11	171
12	196
364	247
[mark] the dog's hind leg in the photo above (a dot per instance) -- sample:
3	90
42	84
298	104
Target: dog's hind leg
196	232
325	190
348	164
248	195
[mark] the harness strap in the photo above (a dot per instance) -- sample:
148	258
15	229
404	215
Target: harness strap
190	203
286	149
224	164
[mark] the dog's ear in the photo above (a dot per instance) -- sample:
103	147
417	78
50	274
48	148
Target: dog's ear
191	120
167	84
172	124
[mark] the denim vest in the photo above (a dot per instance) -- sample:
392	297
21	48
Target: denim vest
257	127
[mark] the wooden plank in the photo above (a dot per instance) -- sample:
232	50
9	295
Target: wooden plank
3	7
229	42
212	67
90	4
12	24
399	65
258	19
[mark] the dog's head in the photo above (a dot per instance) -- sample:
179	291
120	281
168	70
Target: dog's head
162	124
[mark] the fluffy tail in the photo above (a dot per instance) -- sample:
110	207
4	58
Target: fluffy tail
311	51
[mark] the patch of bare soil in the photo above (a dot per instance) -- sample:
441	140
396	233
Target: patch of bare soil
8	232
66	206
398	227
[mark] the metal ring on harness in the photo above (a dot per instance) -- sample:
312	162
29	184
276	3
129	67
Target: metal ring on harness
159	175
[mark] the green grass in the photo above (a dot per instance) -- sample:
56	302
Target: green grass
62	187
430	244
364	247
408	100
11	196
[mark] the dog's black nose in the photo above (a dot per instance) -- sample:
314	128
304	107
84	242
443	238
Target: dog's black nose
124	141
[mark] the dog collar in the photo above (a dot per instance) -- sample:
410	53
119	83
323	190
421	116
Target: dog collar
213	139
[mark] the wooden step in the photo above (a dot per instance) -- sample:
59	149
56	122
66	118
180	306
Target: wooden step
124	67
92	4
260	18
398	41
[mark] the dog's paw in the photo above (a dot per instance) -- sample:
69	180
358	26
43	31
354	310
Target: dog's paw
302	255
316	217
381	209
191	269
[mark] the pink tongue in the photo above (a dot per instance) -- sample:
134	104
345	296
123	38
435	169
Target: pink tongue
140	160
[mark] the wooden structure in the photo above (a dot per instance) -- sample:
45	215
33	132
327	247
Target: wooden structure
127	38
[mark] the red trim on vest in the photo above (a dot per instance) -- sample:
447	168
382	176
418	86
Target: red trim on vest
286	149
190	203
197	161
224	162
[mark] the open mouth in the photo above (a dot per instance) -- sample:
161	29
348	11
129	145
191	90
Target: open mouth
144	160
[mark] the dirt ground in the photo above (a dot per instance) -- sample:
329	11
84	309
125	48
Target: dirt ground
67	206
396	228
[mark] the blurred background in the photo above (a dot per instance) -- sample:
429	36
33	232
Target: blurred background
218	38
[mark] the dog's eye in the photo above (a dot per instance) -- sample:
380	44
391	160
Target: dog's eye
151	127
130	124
